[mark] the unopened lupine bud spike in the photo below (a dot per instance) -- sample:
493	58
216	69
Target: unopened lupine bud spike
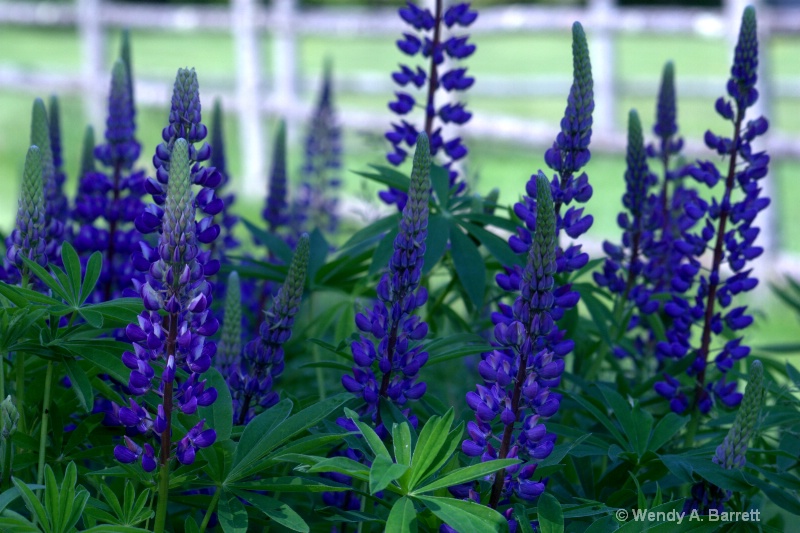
40	136
28	238
230	344
731	453
9	416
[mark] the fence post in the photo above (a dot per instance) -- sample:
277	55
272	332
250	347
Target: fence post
92	52
251	143
601	47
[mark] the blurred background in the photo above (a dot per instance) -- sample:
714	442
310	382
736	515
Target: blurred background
265	60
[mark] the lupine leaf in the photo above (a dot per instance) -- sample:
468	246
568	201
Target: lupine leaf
440	180
465	515
402	518
258	428
274	244
80	383
468	473
497	247
383	471
370	232
383	252
232	514
218	415
387	176
551	517
373	440
93	268
469	265
275	510
436	241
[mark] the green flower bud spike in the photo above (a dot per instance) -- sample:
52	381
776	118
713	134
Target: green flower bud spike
731	453
9	416
230	344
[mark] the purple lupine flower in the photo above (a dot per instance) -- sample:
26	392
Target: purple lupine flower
625	264
431	43
390	331
185	122
30	232
175	284
226	217
262	361
728	228
108	202
569	153
520	373
276	210
317	202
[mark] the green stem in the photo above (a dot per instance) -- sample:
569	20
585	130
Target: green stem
163	499
691	432
8	454
48	381
315	354
211	507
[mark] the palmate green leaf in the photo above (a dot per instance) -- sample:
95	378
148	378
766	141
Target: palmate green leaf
231	514
667	427
257	430
292	484
402	517
383	471
551	517
466	474
81	385
32	503
22	297
432	440
401	440
342	465
469	266
466	515
48	280
373	440
635	422
72	266
523	521
275	510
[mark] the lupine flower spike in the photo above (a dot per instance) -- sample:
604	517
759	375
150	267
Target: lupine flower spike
54	221
262	361
226	217
730	232
428	40
624	268
59	200
317	197
731	453
519	374
390	331
30	233
276	210
230	343
109	201
174	284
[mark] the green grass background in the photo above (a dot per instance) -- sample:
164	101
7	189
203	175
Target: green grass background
491	164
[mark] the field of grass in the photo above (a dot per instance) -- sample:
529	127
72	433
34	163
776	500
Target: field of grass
491	164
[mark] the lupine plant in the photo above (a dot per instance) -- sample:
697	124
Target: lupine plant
460	366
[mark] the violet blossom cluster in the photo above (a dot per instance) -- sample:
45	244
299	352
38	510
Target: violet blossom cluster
276	209
218	161
109	201
730	231
262	360
390	331
521	371
29	237
174	284
427	41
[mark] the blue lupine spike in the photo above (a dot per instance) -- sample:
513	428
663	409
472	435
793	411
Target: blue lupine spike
125	57
666	109
227	219
729	230
87	153
403	134
276	211
262	361
398	354
175	284
121	148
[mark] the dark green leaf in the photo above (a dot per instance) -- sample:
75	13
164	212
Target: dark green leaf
276	510
436	241
551	517
402	518
383	253
465	515
232	514
93	268
468	473
373	230
440	180
387	176
498	247
274	244
80	383
383	472
469	265
218	415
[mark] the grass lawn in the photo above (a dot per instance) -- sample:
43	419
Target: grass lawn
492	164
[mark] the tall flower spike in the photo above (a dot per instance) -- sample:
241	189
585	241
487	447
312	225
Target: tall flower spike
230	343
519	374
276	210
54	221
441	52
175	285
262	361
109	198
317	197
29	236
87	153
729	226
398	353
731	453
60	203
227	219
624	266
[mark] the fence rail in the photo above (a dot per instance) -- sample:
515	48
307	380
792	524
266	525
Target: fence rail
285	23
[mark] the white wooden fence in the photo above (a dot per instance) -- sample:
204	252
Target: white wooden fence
287	23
